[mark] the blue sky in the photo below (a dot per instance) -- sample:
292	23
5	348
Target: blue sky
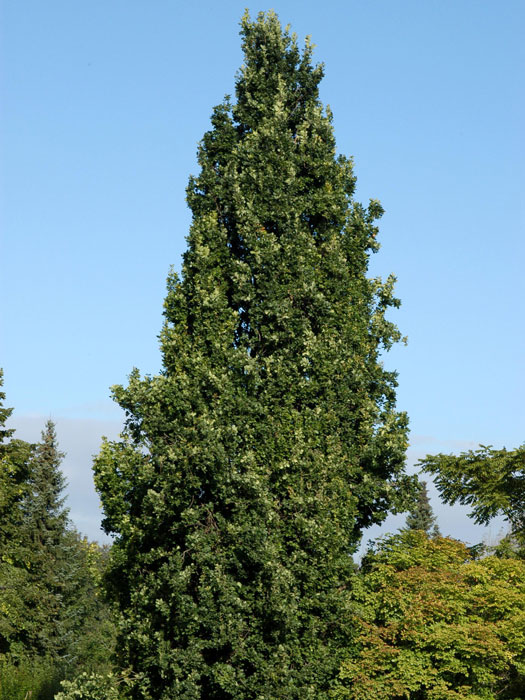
104	103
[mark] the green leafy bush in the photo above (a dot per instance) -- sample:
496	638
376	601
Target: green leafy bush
89	686
436	624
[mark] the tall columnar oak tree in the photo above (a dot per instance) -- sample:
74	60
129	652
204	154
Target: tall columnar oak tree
249	467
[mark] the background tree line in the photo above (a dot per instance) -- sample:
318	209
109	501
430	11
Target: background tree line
53	619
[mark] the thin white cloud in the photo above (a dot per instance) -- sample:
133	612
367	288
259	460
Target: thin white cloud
433	444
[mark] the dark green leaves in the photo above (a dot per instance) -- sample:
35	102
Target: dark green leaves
250	465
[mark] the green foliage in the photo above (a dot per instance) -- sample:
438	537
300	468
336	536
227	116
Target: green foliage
43	553
53	619
90	686
15	458
81	638
249	467
491	481
39	579
436	625
45	516
421	515
28	679
14	472
91	629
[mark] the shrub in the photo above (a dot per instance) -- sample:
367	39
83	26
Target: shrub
89	686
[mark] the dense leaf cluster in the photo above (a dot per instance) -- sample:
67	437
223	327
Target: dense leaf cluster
251	464
437	625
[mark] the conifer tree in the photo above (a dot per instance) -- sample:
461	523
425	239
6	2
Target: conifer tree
15	458
46	516
51	615
249	467
14	472
421	516
45	527
491	481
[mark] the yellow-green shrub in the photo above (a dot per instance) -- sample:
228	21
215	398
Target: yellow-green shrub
436	625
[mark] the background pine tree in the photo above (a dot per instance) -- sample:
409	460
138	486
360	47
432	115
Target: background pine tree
421	516
54	621
46	516
44	528
249	467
